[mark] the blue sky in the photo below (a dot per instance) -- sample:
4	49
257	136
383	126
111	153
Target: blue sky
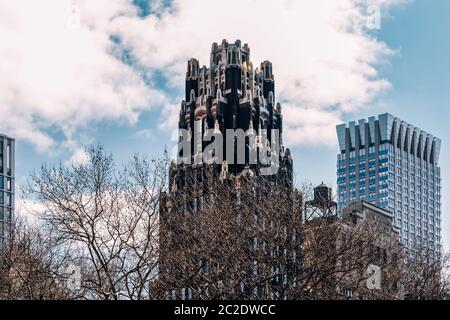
146	62
420	76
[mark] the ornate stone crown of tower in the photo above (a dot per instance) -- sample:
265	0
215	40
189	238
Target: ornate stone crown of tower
232	94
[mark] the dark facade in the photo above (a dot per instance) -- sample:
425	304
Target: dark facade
228	95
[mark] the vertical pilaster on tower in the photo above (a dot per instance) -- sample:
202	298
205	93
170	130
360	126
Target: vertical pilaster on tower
266	68
192	69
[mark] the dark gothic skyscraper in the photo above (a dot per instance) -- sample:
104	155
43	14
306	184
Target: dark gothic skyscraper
234	104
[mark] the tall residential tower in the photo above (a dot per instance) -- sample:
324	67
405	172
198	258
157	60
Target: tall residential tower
394	165
6	184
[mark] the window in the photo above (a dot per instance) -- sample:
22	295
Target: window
8	199
8	214
347	292
8	158
362	152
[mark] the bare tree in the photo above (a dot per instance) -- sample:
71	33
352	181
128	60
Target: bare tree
107	219
338	256
247	240
241	241
427	274
30	267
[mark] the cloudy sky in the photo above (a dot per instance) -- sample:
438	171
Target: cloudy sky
76	72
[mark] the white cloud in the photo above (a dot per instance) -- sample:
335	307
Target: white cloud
79	156
145	134
55	76
169	116
324	58
30	210
309	126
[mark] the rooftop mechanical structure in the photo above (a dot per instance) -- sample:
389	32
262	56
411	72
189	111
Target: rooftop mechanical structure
321	206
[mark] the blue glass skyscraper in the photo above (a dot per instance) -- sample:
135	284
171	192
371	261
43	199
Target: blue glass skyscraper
394	165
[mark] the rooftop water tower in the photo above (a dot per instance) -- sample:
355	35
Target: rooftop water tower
322	205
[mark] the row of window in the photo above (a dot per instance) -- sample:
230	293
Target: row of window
383	168
420	236
386	151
